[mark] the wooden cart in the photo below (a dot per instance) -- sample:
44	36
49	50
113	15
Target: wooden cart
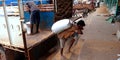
16	45
35	47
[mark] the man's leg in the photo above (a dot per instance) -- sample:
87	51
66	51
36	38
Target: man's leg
72	42
31	28
37	26
62	44
37	21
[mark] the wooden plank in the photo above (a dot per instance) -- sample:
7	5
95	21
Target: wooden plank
33	40
46	7
83	6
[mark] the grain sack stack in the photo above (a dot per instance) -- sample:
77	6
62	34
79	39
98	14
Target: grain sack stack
103	10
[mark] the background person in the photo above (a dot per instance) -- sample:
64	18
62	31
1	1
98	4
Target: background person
34	16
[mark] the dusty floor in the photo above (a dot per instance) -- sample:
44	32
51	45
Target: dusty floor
97	42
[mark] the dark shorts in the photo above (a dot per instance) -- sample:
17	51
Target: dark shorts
35	17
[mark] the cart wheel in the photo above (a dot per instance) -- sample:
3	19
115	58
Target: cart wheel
2	54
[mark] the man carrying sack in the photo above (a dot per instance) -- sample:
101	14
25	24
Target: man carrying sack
71	34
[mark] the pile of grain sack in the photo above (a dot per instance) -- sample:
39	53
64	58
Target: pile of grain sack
102	10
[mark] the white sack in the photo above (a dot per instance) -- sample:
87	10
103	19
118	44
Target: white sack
61	25
27	27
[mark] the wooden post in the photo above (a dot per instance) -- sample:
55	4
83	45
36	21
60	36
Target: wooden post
116	8
21	11
6	20
23	33
25	45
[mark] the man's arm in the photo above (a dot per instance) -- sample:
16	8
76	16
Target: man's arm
67	33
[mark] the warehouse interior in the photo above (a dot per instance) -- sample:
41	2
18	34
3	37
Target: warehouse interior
100	39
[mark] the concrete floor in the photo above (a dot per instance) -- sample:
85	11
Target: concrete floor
97	42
